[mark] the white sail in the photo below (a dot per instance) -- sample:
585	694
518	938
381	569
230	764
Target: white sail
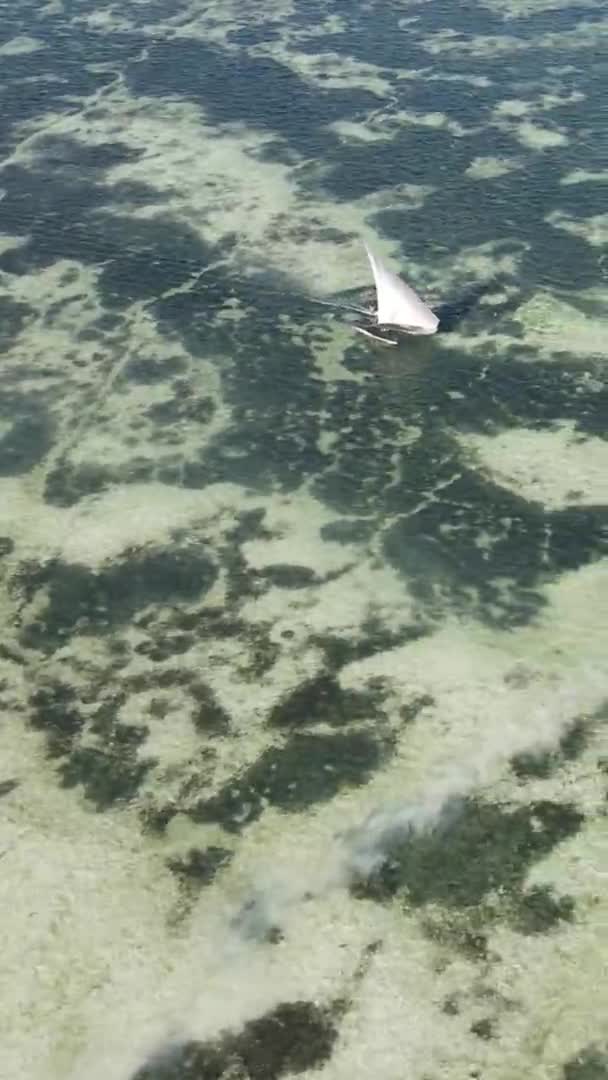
398	305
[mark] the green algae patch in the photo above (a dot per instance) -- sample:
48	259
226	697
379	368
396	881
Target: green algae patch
478	850
293	1038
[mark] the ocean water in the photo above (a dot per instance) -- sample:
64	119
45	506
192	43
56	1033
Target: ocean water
303	676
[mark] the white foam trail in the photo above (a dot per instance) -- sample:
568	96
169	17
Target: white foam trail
360	850
370	843
230	955
366	846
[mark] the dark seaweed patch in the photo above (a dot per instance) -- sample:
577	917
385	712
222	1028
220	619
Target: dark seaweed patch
27	440
539	910
112	774
440	544
69	67
294	1037
485	205
347	531
483	1029
542	764
148	259
154	819
277	417
410	711
476	849
241	581
477	546
7	546
164	679
249	526
306	770
184	405
532	394
13	316
6	786
79	598
373	638
209	716
286	576
228	87
259	652
63	216
151	369
69	157
323	700
589	1064
159	707
360	169
451	1006
67	483
436	548
199	868
457	932
54	709
9	652
164	648
261	655
275	400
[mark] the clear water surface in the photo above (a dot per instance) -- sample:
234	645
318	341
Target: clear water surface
303	653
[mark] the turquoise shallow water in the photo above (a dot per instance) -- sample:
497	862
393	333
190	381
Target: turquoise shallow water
303	741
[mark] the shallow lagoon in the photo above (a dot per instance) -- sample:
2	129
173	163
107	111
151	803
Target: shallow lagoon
303	679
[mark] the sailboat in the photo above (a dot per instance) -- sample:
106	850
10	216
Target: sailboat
398	307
